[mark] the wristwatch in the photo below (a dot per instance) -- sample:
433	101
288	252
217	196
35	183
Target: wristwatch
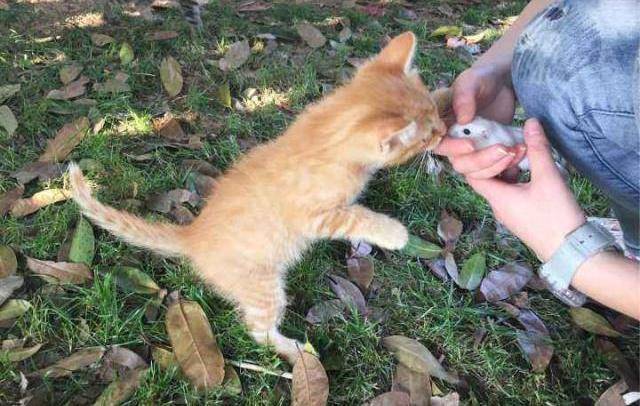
581	244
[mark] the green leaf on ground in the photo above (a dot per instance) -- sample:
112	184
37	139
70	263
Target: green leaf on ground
592	322
82	248
417	247
472	271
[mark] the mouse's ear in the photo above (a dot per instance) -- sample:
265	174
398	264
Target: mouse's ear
399	52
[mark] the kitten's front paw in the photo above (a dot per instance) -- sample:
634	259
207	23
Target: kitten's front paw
393	235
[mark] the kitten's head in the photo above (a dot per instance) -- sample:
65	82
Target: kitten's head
390	114
477	128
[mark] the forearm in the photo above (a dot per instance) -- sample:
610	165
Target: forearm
500	54
612	280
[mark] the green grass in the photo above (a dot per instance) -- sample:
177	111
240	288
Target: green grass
441	316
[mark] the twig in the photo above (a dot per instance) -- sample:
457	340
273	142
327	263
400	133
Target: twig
258	368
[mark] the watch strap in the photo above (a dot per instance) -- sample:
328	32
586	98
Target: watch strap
581	244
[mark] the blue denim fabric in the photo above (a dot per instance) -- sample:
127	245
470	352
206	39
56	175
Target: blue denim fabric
575	67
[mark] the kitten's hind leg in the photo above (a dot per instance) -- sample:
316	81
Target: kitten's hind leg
359	223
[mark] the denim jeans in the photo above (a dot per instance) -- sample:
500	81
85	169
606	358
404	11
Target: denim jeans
575	67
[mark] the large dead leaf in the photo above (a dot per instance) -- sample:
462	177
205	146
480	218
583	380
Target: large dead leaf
23	207
324	311
535	341
348	293
391	399
417	357
67	138
198	165
134	280
165	202
6	201
121	388
194	344
14	308
169	127
7	120
19	354
181	215
416	384
436	266
310	386
69	73
613	395
82	247
472	271
60	272
72	90
118	361
116	84
7	91
451	267
311	35
506	281
171	76
203	184
449	229
8	261
616	360
8	285
101	39
592	322
236	56
360	272
417	247
40	170
78	360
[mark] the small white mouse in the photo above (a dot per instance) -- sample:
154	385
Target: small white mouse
485	133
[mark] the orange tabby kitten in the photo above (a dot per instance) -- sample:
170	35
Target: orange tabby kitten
283	195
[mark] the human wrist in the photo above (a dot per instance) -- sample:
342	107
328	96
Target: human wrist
556	237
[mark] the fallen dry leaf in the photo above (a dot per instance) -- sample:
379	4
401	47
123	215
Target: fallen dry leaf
416	384
311	35
8	261
613	395
8	285
472	271
417	357
592	322
60	272
248	6
69	73
14	308
451	267
171	76
310	386
324	311
535	341
348	293
116	84
436	266
236	56
164	35
8	91
8	121
66	139
165	202
6	201
617	362
19	354
117	361
23	207
72	90
360	272
360	249
40	170
121	388
391	399
169	127
101	39
505	282
345	34
134	280
181	215
194	344
449	229
198	165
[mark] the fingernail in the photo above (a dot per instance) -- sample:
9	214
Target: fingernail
505	152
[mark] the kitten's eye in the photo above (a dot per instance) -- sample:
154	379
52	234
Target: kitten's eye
466	131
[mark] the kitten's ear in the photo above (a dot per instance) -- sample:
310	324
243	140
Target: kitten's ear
400	138
399	51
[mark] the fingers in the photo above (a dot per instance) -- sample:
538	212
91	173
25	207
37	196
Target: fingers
491	189
493	170
485	159
465	91
454	146
538	150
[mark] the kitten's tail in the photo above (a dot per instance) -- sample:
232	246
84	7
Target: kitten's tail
165	239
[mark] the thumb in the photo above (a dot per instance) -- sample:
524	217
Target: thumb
465	91
538	150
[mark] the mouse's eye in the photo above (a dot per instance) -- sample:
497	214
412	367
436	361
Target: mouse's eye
466	131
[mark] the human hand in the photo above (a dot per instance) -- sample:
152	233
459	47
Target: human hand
541	212
482	90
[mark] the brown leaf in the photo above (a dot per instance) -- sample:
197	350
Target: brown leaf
613	395
198	165
71	90
449	229
416	384
171	76
248	6
19	354
116	84
60	272
311	35
506	281
592	322
360	272
451	267
8	285
360	249
121	388
8	261
41	170
236	56
164	35
357	62
617	362
535	348
165	202
8	120
101	39
117	361
23	207
623	323
520	299
324	311
436	266
391	399
194	344
181	215
452	399
78	360
6	201
310	386
348	293
69	73
204	185
169	127
417	357
67	138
